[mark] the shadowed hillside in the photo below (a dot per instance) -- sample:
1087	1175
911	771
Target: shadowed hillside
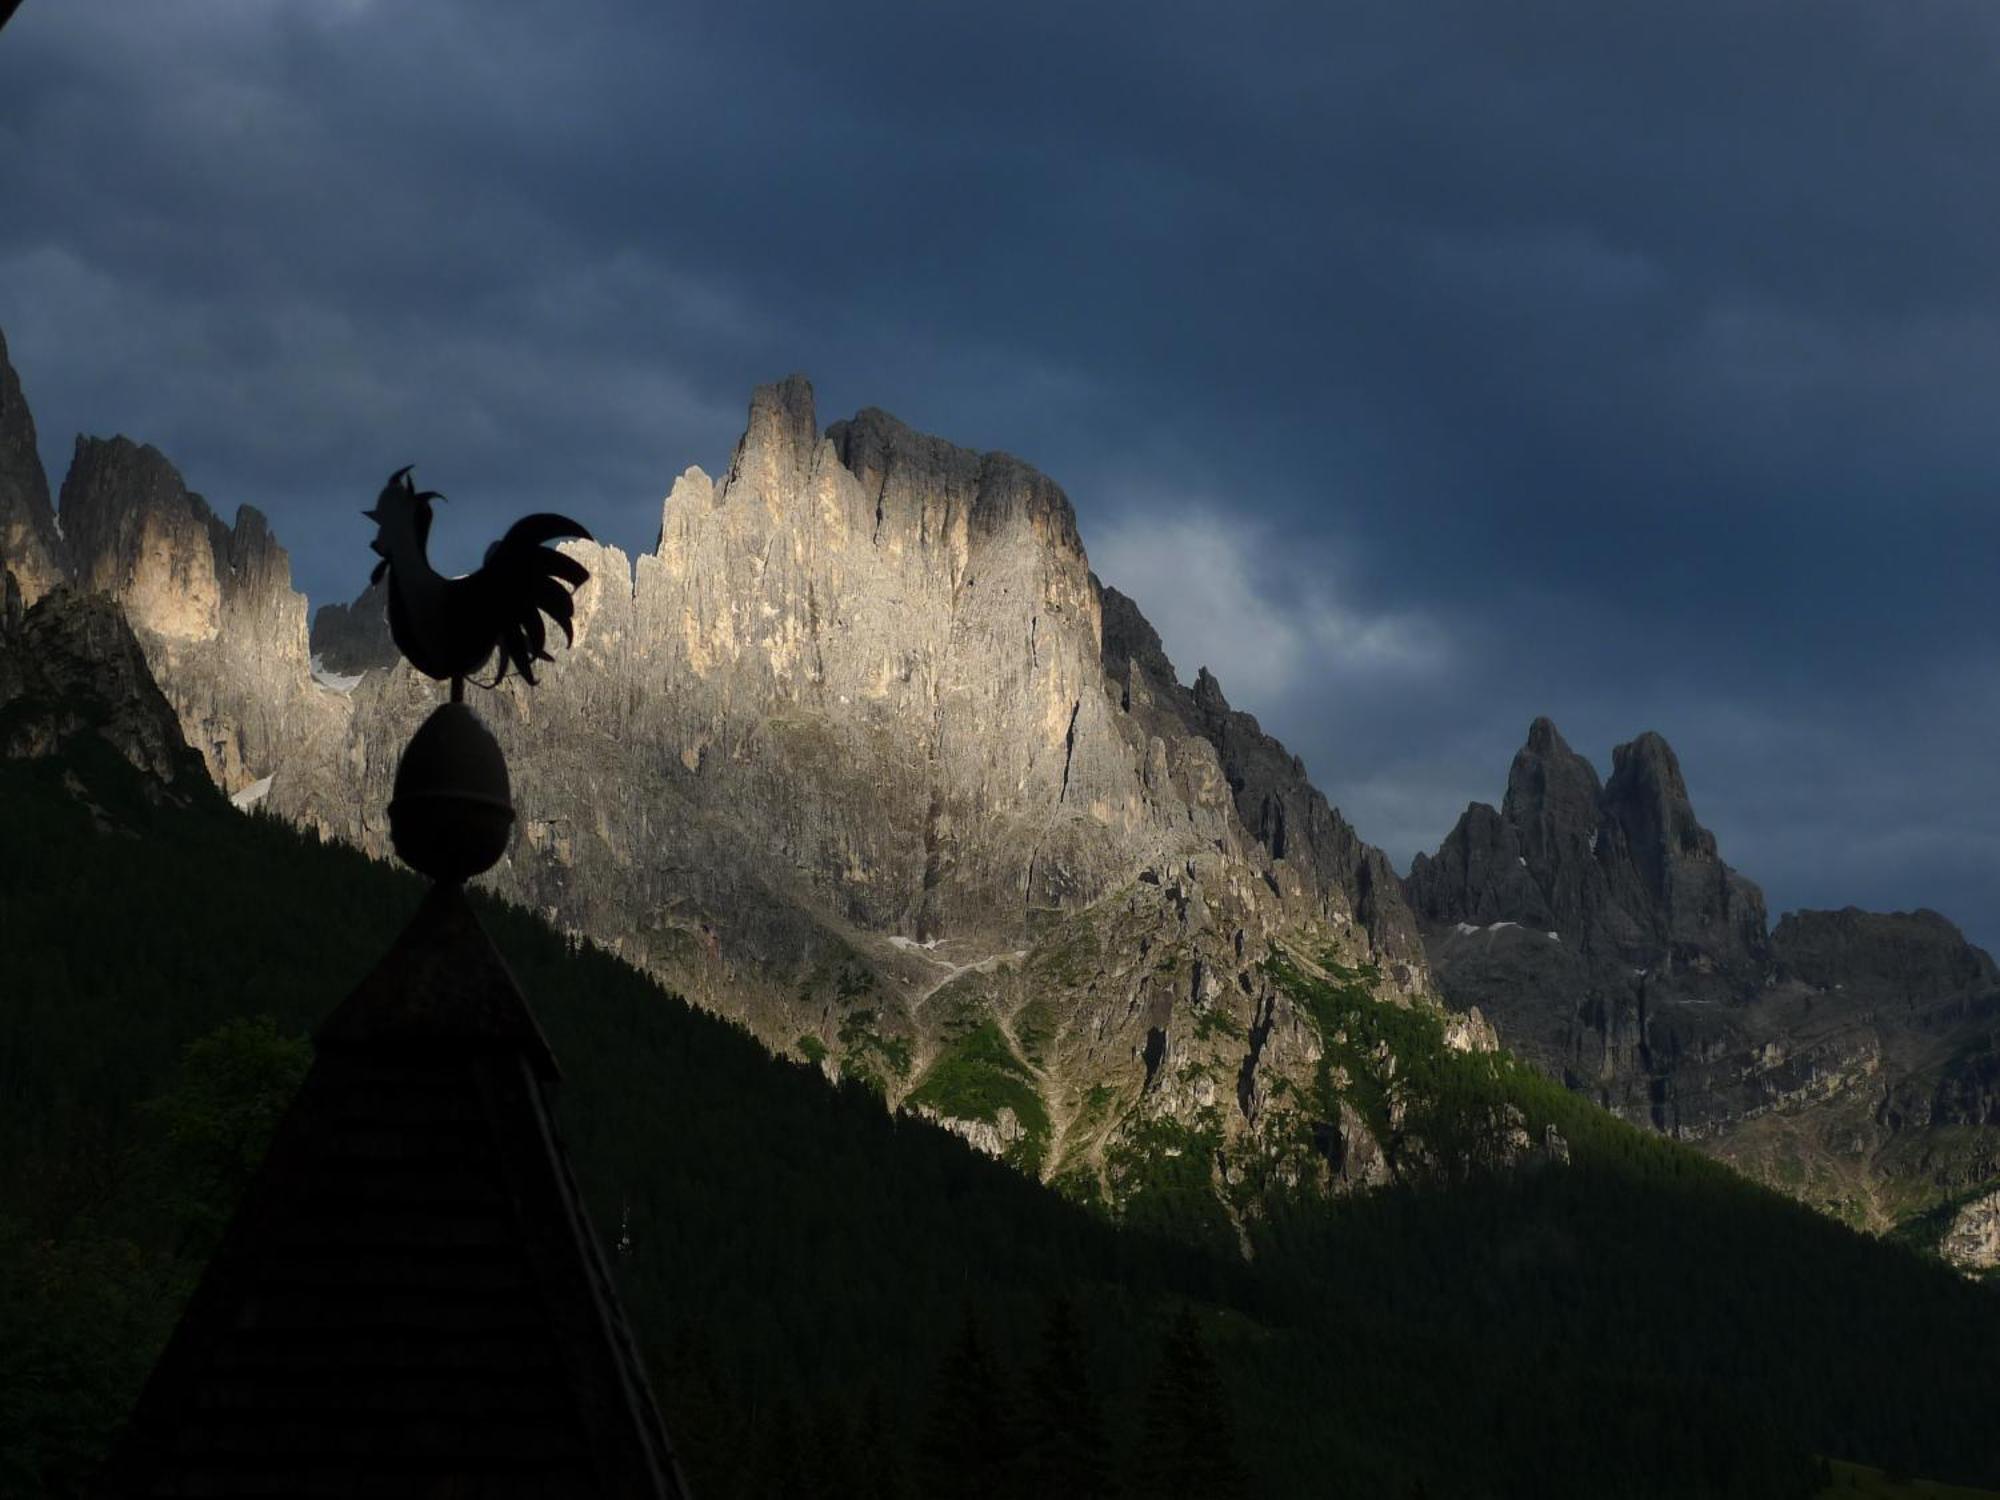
801	1263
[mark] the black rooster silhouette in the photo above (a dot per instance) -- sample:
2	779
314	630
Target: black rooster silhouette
448	627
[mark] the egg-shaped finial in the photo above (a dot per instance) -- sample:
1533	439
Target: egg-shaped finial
452	811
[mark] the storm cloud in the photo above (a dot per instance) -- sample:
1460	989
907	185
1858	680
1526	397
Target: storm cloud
1419	368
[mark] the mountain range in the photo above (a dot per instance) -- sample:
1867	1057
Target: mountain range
863	756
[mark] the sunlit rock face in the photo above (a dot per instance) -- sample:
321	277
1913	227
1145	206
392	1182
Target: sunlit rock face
1839	1056
1972	1241
31	547
860	753
212	605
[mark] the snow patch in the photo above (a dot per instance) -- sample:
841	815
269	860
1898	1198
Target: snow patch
1554	937
252	794
340	682
1466	929
1521	860
911	943
1498	925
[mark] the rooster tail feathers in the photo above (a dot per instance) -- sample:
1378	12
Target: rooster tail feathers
565	567
554	601
529	579
516	651
543	526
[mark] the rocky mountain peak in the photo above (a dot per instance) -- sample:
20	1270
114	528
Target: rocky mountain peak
1600	930
906	473
1208	695
780	439
140	535
1622	871
1547	777
212	604
1552	807
850	755
31	544
1664	868
1648	798
137	533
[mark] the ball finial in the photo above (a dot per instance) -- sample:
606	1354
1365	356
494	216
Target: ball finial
452	812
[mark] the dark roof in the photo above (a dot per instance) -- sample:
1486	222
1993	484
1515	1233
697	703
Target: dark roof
410	1300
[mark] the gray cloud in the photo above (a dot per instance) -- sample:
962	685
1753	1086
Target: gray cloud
1633	364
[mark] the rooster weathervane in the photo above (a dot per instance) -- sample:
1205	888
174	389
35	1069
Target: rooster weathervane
448	627
452	812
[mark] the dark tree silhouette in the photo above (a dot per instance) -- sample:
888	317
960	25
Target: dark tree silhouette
878	1453
1066	1450
971	1444
1187	1445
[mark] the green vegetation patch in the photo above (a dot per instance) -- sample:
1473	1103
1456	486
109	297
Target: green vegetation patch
977	1077
870	1058
1035	1027
1162	1175
1216	1021
1453	1102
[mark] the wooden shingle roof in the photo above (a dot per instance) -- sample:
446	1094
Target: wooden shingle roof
410	1300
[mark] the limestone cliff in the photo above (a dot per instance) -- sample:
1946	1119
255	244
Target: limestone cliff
212	605
31	545
860	753
1847	1057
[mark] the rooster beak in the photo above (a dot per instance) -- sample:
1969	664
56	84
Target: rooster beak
430	495
371	515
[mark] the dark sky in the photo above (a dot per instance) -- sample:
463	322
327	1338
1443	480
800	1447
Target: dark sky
1418	367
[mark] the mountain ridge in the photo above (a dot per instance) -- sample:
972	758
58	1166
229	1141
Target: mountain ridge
838	757
863	754
1845	1056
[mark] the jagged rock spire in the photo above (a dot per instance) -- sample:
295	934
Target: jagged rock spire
1621	870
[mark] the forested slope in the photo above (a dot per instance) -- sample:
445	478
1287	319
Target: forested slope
837	1300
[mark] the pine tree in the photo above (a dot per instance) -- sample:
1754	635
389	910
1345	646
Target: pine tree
1187	1444
971	1442
1066	1450
834	1474
780	1462
879	1463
